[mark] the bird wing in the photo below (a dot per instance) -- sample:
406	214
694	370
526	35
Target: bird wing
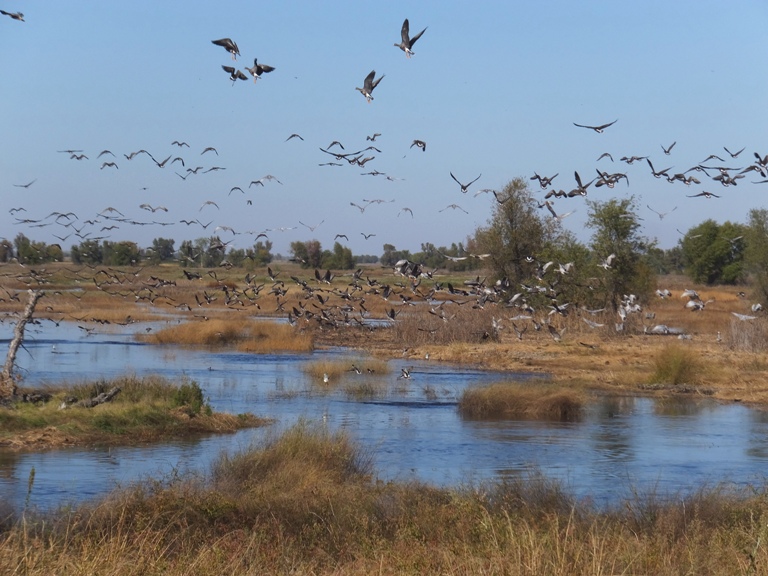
413	40
368	83
404	32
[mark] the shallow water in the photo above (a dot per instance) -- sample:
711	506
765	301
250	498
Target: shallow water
412	428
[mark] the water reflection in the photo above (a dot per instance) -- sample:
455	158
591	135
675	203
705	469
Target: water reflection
412	428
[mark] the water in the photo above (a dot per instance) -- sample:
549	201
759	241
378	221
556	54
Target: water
412	428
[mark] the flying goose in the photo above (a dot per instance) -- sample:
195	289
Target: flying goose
234	74
669	149
661	214
369	85
20	17
464	187
704	194
733	154
258	69
599	129
406	42
229	45
421	144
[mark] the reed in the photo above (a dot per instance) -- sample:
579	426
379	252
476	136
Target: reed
676	364
535	400
336	369
307	501
244	334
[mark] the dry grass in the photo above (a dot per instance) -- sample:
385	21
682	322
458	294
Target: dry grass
308	502
336	369
676	364
145	409
535	400
244	334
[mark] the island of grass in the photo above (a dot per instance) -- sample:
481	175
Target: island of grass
140	410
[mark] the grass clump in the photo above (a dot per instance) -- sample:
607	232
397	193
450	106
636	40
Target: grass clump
535	400
145	409
245	335
307	502
675	365
336	369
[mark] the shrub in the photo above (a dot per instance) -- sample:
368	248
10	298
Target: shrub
675	365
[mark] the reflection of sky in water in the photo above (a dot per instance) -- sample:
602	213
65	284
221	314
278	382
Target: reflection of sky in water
411	427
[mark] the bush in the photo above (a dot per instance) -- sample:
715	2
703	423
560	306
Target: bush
677	365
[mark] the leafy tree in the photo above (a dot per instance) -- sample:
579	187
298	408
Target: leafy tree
261	253
516	230
392	255
756	252
122	253
309	253
187	254
713	253
87	252
340	259
6	250
616	226
162	250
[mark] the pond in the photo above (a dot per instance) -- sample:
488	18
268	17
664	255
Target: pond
622	445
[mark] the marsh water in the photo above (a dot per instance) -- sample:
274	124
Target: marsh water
412	428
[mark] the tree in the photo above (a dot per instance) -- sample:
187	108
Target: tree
6	250
88	252
162	250
122	253
619	250
309	253
392	255
713	253
514	232
340	259
261	253
756	252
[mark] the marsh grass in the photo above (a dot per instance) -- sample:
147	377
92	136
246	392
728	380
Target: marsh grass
336	369
415	325
676	364
308	501
747	335
534	400
146	408
243	334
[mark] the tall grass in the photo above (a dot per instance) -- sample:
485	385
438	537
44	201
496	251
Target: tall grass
308	502
537	400
246	335
676	364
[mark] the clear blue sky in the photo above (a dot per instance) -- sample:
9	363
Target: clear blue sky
494	89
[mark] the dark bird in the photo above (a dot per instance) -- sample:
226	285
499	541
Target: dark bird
605	155
258	69
704	194
406	42
105	152
209	149
294	135
366	236
234	74
373	138
27	185
341	236
669	149
421	144
733	154
369	85
598	129
464	187
229	45
109	164
179	144
18	15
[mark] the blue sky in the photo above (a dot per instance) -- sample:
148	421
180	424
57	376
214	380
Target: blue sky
493	88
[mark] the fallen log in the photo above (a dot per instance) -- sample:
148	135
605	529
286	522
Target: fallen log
100	399
7	379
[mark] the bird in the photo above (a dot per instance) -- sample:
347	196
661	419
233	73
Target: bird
464	187
406	42
704	194
20	17
369	85
294	135
606	264
258	69
733	154
421	144
668	149
311	228
373	137
405	210
405	374
660	173
454	207
366	236
229	45
660	214
234	74
27	185
109	164
599	129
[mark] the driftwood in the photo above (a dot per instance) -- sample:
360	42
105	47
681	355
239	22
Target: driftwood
7	381
100	399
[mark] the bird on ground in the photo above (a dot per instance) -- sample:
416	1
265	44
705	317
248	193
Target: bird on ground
704	194
599	129
421	144
464	187
258	69
229	45
27	185
669	149
406	42
20	17
369	85
234	74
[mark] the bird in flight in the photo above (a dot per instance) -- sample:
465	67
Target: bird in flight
599	129
464	187
704	194
234	74
406	42
258	69
18	15
366	236
369	85
660	214
373	137
454	207
27	185
733	154
294	135
669	149
420	144
229	45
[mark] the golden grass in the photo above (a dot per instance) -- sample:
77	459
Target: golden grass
535	400
145	409
676	364
336	369
307	502
244	334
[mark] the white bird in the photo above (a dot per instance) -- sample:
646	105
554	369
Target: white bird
606	264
